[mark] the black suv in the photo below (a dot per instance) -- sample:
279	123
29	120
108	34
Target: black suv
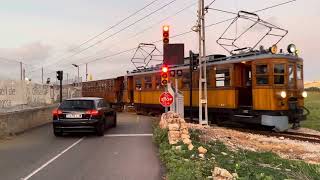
83	115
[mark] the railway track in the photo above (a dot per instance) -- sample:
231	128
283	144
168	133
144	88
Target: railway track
289	135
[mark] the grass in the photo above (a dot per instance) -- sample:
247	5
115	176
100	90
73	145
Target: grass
186	165
312	102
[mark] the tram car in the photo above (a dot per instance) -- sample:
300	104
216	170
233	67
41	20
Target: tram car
109	89
257	87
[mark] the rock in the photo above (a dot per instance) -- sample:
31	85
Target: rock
202	150
201	156
173	127
186	141
185	136
174	134
178	148
173	141
184	131
219	173
190	147
183	126
281	138
235	175
223	153
176	115
181	120
291	150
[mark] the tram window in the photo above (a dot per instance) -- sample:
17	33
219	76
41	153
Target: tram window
262	74
158	82
186	80
291	74
148	82
138	84
278	74
222	77
209	75
299	71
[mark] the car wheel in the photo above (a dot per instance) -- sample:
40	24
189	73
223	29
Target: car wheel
57	133
114	124
100	129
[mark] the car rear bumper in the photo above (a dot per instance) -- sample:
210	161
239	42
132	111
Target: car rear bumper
75	125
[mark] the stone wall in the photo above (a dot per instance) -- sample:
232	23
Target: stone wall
18	95
20	121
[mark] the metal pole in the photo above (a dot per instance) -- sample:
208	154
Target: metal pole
21	71
202	65
166	90
24	74
190	86
78	75
42	74
67	78
86	71
61	91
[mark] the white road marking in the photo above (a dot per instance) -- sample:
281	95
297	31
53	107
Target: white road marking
127	135
51	160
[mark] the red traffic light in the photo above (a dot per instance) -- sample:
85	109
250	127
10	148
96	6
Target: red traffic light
164	75
165	69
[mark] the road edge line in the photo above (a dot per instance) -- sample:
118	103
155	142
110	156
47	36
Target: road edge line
128	135
51	160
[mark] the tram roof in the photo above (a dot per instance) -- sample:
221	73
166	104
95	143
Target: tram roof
211	60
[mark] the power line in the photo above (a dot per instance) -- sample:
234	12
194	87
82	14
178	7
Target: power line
181	34
113	26
144	30
100	41
270	7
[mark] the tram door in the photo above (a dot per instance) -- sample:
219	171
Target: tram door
245	92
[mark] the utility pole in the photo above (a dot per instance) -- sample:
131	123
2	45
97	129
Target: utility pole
67	78
86	72
203	95
42	74
21	71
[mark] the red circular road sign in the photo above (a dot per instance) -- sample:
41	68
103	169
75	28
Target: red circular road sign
166	99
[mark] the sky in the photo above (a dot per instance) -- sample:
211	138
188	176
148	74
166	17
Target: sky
43	33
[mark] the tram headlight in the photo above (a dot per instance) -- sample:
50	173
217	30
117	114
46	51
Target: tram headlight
292	48
304	94
283	94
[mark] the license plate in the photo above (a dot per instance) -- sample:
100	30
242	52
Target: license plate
74	116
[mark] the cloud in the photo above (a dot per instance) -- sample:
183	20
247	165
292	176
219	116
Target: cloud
31	53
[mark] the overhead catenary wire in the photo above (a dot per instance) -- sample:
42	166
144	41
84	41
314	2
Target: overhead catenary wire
144	30
117	32
181	34
113	26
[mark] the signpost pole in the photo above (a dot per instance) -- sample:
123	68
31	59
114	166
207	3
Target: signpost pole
166	90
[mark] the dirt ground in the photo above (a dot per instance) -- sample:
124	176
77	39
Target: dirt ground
285	148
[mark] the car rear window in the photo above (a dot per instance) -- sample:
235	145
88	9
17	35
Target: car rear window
77	105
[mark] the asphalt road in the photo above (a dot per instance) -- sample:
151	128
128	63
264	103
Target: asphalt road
125	153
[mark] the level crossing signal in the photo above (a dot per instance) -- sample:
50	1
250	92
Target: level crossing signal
164	75
165	33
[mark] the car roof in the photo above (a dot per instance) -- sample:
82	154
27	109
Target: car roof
85	98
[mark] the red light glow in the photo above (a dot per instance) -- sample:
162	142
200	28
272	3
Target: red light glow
164	69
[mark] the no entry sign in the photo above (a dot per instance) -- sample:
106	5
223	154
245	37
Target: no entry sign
166	99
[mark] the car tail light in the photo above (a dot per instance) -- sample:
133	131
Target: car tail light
56	112
93	112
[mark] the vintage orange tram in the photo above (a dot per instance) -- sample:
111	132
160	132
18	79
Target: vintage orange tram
257	87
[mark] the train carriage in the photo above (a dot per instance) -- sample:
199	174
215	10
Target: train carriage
109	89
256	87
